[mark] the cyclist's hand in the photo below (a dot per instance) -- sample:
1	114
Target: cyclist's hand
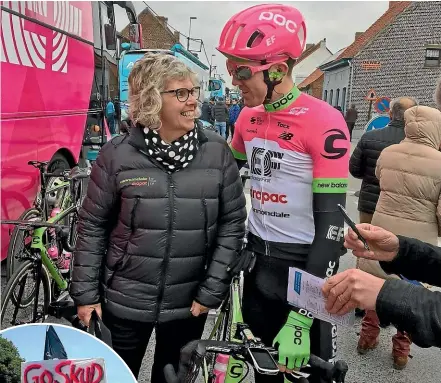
383	244
85	312
197	309
293	343
244	262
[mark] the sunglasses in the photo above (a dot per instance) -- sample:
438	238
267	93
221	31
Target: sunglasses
182	94
245	72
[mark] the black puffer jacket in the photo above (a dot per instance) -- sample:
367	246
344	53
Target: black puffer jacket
364	160
149	242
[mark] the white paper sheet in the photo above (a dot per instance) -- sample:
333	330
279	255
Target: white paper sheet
304	291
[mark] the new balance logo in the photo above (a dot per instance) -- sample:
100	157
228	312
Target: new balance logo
286	136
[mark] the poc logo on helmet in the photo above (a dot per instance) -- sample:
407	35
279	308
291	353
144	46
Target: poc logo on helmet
290	25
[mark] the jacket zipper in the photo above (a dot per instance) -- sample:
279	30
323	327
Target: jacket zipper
204	207
167	250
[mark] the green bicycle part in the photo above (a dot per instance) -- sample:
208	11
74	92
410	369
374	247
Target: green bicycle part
235	369
37	244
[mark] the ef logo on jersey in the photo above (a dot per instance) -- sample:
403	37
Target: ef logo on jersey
332	151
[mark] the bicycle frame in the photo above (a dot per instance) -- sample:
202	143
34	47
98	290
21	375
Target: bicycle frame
235	369
38	247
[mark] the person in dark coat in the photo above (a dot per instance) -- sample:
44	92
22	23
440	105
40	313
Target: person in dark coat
206	112
163	218
351	119
219	113
410	308
364	158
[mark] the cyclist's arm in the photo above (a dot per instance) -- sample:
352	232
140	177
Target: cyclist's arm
229	236
95	222
329	150
237	145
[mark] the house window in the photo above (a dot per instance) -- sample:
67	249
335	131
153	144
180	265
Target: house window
331	96
433	57
325	97
343	100
337	98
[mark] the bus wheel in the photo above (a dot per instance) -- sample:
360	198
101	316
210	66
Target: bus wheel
58	163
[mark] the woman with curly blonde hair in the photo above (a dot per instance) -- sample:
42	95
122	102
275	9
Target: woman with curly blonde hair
163	218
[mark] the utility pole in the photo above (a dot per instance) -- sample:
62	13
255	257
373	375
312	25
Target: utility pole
211	64
189	33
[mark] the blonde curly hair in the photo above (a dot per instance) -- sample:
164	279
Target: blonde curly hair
149	77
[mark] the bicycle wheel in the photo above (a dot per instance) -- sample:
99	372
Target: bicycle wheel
13	312
20	238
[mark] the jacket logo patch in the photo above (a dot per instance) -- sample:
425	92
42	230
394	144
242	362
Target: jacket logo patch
138	181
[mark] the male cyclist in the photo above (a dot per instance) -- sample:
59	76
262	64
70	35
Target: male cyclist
297	148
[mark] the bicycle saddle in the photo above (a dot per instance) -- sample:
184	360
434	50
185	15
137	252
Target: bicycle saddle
78	173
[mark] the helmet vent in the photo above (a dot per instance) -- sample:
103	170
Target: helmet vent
255	39
228	33
301	35
236	36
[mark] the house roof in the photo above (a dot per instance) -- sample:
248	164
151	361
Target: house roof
308	52
395	9
146	11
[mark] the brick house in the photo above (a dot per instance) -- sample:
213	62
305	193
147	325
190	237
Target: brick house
155	32
398	55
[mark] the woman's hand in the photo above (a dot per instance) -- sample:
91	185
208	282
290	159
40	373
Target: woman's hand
85	312
197	309
350	289
384	245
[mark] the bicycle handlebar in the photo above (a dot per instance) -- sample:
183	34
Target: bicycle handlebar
194	352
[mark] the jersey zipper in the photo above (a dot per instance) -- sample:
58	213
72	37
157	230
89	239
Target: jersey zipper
267	250
168	246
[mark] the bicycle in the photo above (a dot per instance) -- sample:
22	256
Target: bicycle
193	354
54	192
35	260
233	337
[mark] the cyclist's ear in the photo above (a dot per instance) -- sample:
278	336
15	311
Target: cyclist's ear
278	71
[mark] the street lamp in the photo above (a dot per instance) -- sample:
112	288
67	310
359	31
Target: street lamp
211	64
189	32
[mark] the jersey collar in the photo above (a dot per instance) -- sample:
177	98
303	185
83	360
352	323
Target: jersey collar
284	101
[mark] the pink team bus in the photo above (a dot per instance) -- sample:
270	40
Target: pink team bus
57	62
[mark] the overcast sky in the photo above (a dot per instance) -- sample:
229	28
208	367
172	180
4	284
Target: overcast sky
337	21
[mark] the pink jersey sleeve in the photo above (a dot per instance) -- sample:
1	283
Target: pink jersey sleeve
238	145
330	151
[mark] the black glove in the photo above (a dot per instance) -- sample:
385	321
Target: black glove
245	262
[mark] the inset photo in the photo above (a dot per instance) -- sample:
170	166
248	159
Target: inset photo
50	353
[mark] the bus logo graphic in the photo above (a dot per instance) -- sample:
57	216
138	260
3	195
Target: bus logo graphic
45	50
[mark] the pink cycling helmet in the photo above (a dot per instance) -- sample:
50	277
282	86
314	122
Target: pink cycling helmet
264	32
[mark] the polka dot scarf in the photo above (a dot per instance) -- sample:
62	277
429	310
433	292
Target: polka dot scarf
174	156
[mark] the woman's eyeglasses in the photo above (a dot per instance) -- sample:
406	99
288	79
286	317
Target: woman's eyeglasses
182	94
